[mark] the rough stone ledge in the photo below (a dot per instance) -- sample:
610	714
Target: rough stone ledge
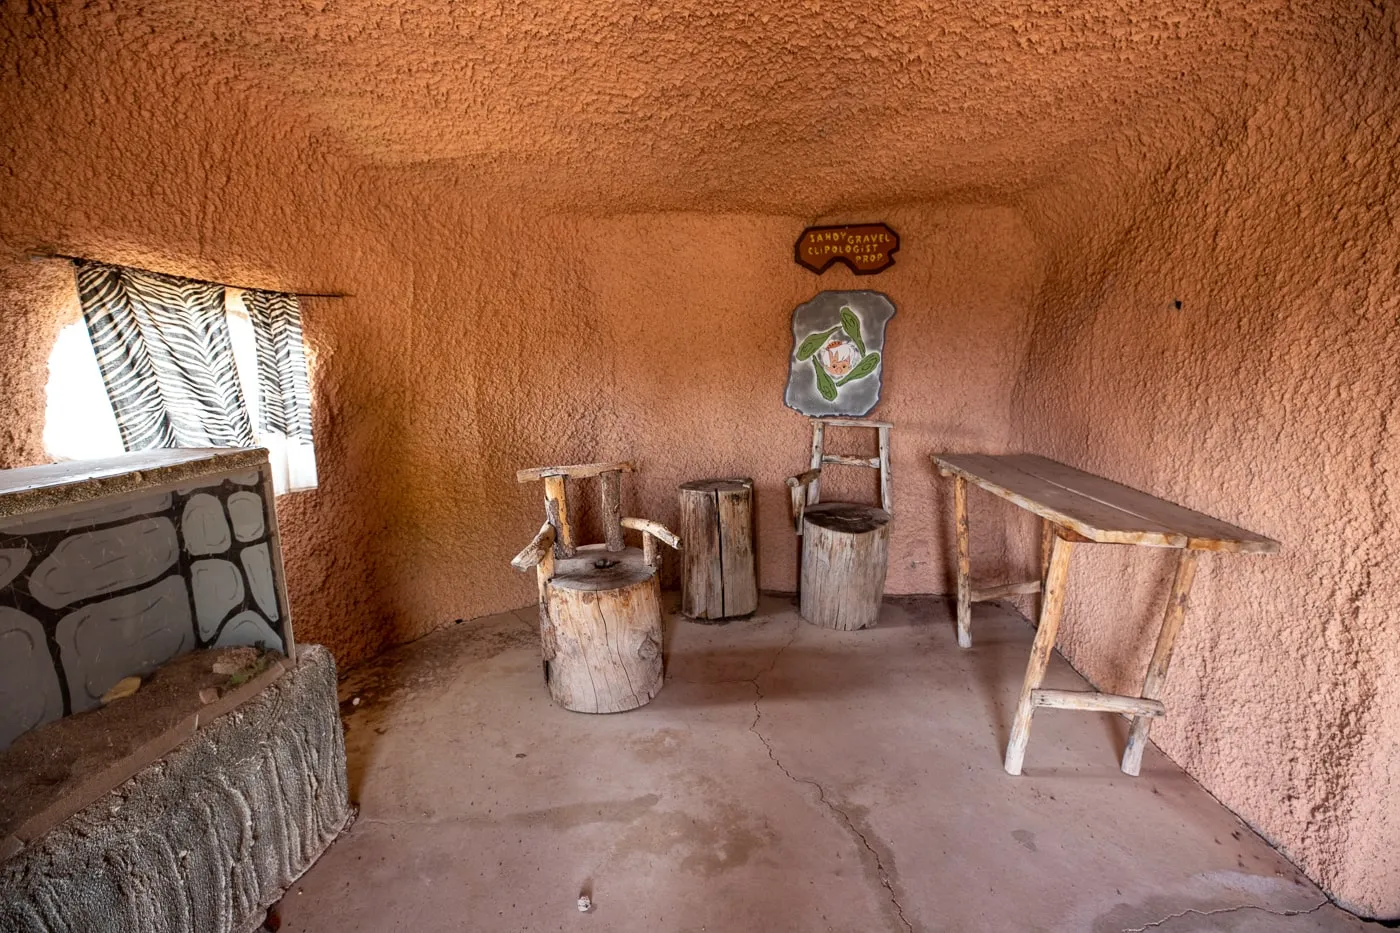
208	836
23	822
68	485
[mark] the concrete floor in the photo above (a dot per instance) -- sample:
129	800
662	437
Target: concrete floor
787	778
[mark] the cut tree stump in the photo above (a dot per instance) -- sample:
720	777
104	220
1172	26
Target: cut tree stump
845	551
602	631
717	565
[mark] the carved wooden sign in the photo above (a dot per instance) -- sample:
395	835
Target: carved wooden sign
864	248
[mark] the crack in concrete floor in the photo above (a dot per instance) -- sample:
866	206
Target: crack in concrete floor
1224	910
882	873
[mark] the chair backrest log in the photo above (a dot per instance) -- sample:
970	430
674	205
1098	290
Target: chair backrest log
556	500
820	458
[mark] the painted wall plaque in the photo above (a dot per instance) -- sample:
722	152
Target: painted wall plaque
838	353
864	248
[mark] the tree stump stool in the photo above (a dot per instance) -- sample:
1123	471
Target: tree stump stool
845	552
601	631
717	565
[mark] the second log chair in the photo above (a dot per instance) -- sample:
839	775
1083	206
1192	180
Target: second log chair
845	546
600	604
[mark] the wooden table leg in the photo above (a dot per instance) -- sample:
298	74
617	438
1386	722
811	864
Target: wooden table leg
1161	657
1053	603
1047	541
964	563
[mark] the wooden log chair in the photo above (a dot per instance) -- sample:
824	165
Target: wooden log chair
845	546
600	604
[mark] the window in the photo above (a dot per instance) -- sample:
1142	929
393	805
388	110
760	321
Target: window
80	421
293	460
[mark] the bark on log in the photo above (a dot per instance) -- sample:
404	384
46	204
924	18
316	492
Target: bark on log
556	509
717	564
845	553
612	508
602	645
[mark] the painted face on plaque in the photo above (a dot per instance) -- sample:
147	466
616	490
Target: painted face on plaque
838	356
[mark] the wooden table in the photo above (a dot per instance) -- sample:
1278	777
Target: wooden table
1074	507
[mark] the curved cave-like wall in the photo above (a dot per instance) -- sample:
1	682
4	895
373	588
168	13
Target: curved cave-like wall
1220	326
566	235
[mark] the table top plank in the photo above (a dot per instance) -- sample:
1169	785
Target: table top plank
1094	520
1204	531
1099	509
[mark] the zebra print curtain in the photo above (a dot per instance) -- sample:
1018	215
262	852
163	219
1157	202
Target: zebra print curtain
282	388
284	400
163	348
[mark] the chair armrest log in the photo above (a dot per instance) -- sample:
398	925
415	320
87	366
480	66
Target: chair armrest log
652	532
797	488
536	550
655	529
574	470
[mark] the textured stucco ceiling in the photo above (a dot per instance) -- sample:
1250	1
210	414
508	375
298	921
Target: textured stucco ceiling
795	107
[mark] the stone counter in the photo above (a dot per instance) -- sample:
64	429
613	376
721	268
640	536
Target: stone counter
207	835
109	568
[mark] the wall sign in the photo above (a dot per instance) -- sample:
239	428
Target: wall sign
864	248
838	347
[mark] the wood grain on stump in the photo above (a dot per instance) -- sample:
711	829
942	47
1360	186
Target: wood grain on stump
845	552
717	565
602	631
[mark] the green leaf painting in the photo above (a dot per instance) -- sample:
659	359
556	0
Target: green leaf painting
862	369
851	325
813	343
824	384
841	336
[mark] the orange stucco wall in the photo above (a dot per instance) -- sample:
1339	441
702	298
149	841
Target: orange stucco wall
556	302
480	338
1269	397
660	338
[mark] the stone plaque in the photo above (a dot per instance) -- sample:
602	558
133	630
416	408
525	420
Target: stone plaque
131	634
104	561
218	589
838	353
29	691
